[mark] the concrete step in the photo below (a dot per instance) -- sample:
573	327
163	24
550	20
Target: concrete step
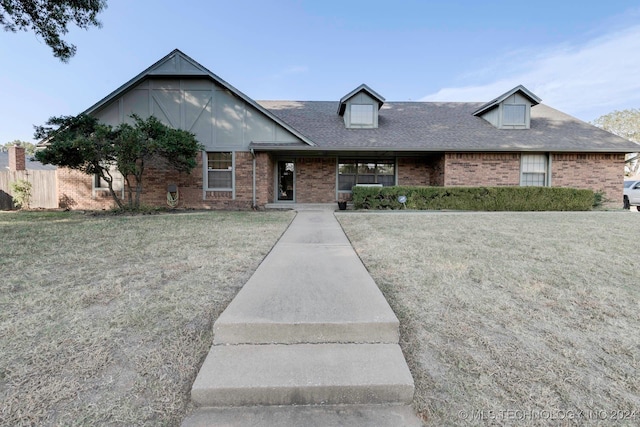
303	374
309	293
308	416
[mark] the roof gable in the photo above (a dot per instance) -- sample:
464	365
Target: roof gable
178	64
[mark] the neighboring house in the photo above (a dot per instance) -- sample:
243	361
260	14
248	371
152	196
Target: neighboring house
261	152
16	166
29	163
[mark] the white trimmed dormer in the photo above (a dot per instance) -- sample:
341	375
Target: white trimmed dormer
359	108
511	110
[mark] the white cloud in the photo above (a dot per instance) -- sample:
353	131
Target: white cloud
586	80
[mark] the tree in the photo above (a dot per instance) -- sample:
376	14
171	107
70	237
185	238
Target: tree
83	144
137	144
80	143
50	18
625	123
29	148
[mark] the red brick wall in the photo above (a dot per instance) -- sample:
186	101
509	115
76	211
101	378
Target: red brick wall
315	180
75	191
17	159
413	171
481	169
596	171
421	171
75	188
437	172
264	179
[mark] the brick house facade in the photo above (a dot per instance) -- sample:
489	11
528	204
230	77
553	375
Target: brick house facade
320	149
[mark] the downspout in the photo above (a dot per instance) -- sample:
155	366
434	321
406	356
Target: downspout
253	153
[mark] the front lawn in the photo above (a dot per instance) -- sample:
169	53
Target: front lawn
512	318
506	318
106	320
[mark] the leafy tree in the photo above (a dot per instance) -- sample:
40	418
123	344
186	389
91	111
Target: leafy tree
83	144
137	144
625	123
29	148
80	143
50	18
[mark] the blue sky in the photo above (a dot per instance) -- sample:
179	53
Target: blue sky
579	57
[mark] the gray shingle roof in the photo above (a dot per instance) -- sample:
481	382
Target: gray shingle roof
30	164
444	126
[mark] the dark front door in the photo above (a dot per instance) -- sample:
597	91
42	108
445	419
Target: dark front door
286	180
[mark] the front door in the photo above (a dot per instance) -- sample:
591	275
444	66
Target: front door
286	180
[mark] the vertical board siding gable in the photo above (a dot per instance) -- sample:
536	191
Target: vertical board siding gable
219	119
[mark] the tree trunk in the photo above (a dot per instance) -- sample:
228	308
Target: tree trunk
104	174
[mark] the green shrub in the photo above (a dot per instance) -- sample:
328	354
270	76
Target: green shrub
475	198
21	190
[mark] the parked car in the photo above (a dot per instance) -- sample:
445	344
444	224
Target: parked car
631	194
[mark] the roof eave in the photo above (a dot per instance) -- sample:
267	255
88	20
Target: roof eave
538	149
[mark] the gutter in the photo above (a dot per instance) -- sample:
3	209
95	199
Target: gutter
537	149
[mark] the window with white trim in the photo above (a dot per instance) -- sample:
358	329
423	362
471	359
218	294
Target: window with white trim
100	184
534	170
352	172
514	114
220	171
361	114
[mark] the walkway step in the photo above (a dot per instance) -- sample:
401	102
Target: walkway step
308	416
303	374
308	293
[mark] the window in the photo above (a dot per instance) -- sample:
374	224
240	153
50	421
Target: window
533	170
220	171
362	114
514	114
352	172
100	184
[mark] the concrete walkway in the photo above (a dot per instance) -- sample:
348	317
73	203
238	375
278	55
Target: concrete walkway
309	340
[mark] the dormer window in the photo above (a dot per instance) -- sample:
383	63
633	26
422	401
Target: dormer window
359	108
362	114
511	110
514	114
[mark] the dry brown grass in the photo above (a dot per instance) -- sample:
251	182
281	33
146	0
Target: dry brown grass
105	321
513	318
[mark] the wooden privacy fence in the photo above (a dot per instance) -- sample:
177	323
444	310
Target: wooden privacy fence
43	188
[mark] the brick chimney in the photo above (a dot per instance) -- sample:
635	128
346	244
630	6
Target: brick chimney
17	161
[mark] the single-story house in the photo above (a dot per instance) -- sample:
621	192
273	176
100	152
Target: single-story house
263	152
